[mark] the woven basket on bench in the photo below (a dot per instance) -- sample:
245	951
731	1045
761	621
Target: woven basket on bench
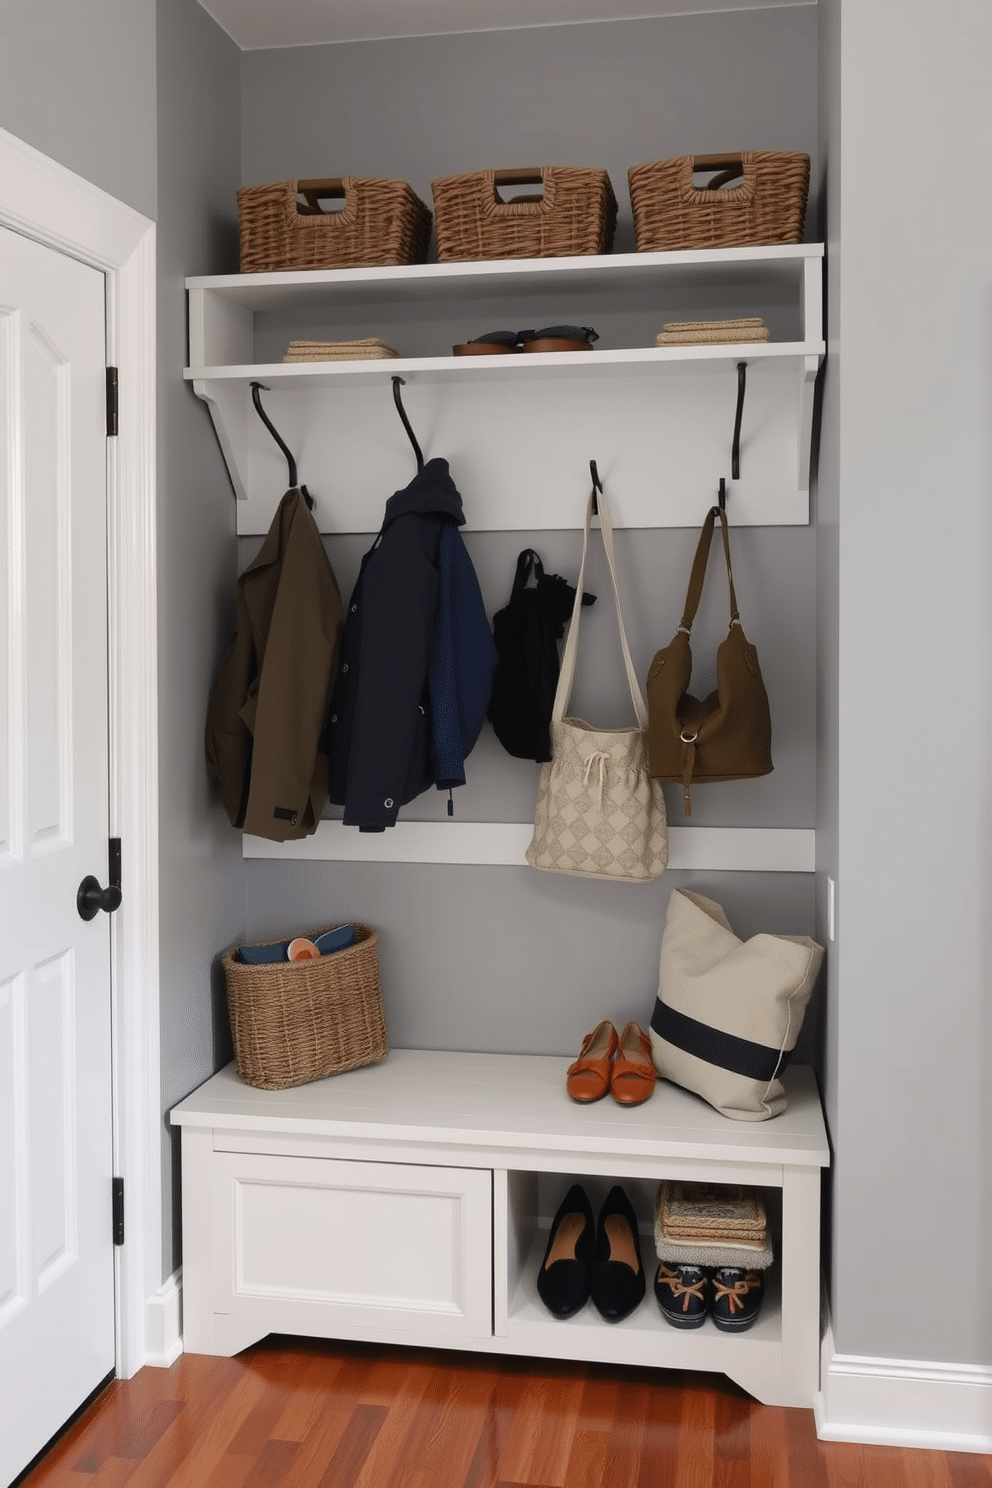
768	205
575	212
294	1021
283	226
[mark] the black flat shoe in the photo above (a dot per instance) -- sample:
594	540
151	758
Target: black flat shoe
617	1279
563	1280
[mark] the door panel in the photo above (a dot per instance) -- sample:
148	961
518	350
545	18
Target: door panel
56	1156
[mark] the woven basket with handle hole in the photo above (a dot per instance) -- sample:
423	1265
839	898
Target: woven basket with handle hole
752	197
574	212
285	226
295	1021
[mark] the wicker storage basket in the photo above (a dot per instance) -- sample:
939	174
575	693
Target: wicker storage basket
576	212
382	222
767	206
294	1021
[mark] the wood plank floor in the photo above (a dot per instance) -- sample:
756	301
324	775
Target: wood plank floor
313	1414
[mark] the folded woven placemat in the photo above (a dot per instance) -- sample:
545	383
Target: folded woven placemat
715	1253
366	348
711	332
712	1225
733	1209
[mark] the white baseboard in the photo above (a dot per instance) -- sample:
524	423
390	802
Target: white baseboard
163	1323
903	1402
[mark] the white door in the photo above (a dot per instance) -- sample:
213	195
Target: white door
56	1154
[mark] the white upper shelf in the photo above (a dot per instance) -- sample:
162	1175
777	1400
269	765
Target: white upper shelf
582	274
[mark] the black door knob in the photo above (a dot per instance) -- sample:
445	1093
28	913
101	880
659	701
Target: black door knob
92	898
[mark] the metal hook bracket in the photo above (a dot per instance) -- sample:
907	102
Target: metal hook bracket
735	452
597	486
399	382
256	389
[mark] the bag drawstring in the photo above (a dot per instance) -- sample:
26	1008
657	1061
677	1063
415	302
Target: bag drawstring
599	757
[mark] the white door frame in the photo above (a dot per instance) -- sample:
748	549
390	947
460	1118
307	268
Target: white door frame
52	205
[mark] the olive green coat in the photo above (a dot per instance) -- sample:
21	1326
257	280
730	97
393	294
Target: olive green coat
268	706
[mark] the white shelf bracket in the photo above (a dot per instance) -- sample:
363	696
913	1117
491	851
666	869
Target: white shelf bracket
807	390
229	411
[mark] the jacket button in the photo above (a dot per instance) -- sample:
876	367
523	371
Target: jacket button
334	718
354	609
388	802
344	667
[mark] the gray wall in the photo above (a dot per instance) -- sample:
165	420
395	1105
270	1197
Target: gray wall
202	886
911	472
77	81
610	95
506	958
558	954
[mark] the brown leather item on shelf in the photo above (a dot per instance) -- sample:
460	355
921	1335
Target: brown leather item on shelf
633	1068
727	735
588	1078
556	343
483	348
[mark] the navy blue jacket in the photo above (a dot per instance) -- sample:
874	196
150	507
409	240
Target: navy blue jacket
417	659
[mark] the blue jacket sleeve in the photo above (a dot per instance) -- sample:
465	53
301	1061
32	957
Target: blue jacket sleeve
462	662
398	597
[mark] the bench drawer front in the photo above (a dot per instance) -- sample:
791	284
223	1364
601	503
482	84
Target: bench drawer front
355	1246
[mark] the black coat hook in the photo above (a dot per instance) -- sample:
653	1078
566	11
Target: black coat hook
735	453
597	485
722	495
256	389
399	382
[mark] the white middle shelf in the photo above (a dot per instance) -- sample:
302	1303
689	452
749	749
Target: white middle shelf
651	361
503	844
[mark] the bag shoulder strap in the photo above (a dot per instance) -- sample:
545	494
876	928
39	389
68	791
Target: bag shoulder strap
567	674
698	573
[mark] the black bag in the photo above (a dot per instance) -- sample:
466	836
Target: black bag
527	633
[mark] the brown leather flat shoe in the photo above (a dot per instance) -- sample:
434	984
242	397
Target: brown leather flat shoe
558	338
555	343
588	1078
633	1069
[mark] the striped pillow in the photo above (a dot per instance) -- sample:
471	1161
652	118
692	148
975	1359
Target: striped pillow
728	1011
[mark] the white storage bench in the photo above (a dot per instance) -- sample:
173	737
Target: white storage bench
410	1202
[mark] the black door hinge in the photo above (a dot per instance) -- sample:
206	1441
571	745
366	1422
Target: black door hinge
111	401
118	1203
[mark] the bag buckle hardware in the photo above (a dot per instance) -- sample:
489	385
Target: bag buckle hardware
688	738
